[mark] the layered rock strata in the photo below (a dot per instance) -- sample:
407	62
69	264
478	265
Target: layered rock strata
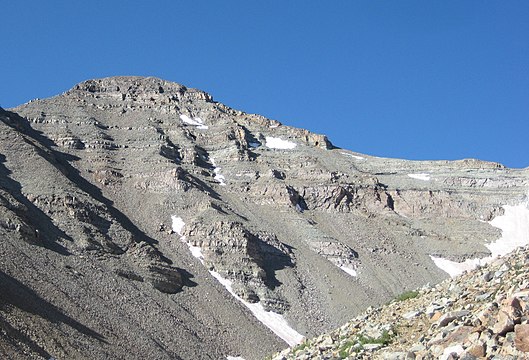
92	178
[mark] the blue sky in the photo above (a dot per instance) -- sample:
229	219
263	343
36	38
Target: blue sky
407	79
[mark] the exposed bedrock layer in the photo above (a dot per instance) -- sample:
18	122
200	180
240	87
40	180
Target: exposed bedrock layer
91	180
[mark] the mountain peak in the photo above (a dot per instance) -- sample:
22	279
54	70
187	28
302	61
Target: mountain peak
136	88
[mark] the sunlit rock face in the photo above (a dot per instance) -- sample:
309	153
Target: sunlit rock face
136	206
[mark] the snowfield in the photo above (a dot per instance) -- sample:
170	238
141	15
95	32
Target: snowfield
196	251
220	178
194	122
353	156
277	143
178	224
423	177
514	225
349	270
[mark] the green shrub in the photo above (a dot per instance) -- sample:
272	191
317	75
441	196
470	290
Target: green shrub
383	340
407	295
361	340
344	349
300	347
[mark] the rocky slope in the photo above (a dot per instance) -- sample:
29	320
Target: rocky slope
142	218
483	314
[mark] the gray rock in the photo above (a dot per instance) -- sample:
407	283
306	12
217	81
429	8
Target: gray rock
451	316
401	355
371	347
488	276
411	314
483	297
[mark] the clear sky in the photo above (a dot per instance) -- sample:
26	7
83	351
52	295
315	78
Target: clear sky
410	79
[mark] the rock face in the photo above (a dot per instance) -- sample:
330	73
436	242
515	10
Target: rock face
125	199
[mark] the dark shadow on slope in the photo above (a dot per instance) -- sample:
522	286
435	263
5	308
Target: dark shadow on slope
62	162
239	215
270	259
184	175
253	143
16	338
252	155
15	294
273	263
186	277
45	148
49	234
221	210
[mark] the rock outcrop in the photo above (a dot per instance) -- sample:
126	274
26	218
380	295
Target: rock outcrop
483	314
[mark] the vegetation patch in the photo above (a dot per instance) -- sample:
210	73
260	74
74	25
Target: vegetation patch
300	347
361	340
383	340
412	294
344	349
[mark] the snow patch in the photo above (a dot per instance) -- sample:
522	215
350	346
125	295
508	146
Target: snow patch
196	251
454	268
514	224
277	143
274	321
198	122
234	358
178	224
354	156
349	270
220	178
423	177
515	230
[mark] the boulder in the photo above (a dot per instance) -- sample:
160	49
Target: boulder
521	339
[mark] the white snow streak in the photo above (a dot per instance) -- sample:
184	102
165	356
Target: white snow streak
423	177
220	178
275	322
354	156
514	225
349	270
277	143
234	358
178	224
196	251
194	122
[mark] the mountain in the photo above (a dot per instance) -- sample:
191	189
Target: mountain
142	219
